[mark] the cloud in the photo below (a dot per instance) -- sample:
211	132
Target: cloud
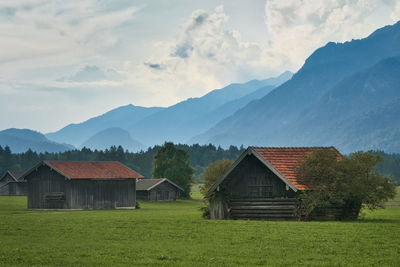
208	55
107	57
92	74
296	28
39	34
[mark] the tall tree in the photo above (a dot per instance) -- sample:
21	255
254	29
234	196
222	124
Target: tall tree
174	163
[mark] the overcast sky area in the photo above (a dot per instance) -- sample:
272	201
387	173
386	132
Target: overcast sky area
64	62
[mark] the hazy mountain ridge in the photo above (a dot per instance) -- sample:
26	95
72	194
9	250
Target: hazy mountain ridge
121	117
269	121
20	140
113	137
188	118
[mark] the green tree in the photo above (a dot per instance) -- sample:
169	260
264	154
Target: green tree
173	163
213	172
350	182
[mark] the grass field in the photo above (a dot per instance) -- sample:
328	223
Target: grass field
174	234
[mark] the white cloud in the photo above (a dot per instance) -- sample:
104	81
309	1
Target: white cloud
208	55
297	27
45	46
38	34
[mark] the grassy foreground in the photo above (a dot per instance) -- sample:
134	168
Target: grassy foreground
174	234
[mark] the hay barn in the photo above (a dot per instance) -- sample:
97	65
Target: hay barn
81	185
160	189
261	184
11	185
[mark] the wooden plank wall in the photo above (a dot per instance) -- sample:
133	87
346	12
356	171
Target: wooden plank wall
46	189
49	190
159	193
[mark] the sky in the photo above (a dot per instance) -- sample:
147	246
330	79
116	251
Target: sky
64	62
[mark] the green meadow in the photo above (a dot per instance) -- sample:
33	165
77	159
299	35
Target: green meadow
175	234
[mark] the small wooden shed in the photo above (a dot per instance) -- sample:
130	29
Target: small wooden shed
260	184
160	189
11	185
81	185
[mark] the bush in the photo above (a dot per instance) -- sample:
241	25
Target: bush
349	184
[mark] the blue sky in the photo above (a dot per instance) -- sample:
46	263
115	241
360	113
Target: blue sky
67	61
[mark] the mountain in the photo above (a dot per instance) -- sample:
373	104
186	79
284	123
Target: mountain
113	137
346	104
123	117
188	118
20	140
276	118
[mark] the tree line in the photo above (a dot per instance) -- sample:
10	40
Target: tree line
200	157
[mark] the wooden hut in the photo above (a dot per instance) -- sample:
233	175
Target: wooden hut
11	185
160	189
81	185
260	184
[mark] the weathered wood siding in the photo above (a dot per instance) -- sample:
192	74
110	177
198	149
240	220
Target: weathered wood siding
49	190
142	195
252	191
164	192
46	189
6	179
14	189
252	179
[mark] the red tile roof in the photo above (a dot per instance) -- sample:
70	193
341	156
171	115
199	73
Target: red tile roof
285	159
93	169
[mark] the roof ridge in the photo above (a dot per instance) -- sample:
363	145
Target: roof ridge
288	147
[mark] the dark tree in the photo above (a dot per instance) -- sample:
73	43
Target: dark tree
350	183
174	163
213	172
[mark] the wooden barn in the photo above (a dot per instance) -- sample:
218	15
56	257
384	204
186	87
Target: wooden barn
261	184
81	185
160	189
11	185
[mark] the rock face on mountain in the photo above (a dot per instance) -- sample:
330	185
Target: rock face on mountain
20	140
113	137
338	82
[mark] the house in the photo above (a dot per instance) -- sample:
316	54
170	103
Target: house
11	185
260	184
160	189
81	185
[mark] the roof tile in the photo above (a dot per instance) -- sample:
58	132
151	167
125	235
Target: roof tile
93	169
285	159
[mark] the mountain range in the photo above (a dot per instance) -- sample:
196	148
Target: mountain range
20	140
346	95
339	84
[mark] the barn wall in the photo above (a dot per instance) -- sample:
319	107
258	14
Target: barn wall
14	189
46	189
142	195
4	190
101	194
252	179
252	191
6	178
164	192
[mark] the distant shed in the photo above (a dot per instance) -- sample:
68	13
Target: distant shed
81	185
160	189
262	184
11	185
